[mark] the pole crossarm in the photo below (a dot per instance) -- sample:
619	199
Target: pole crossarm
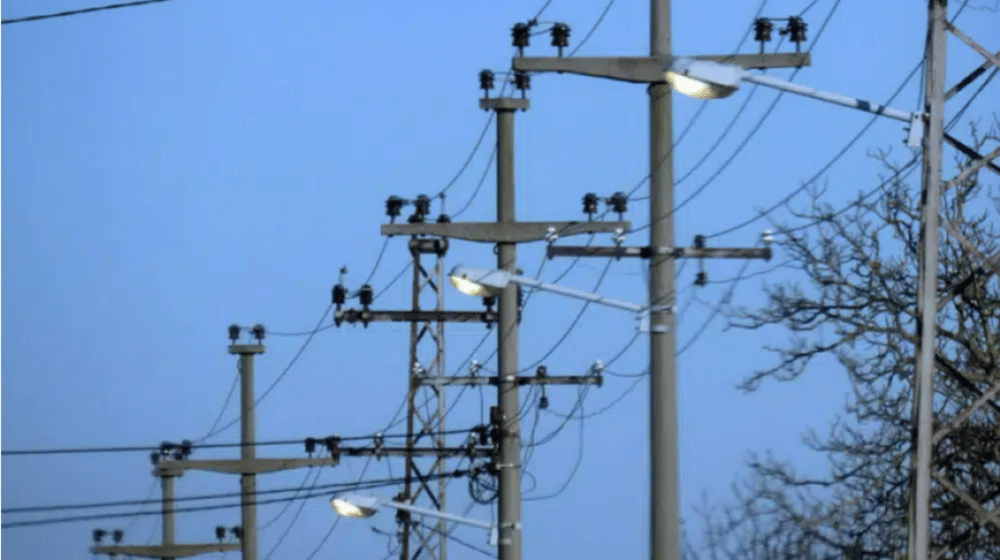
237	466
964	82
521	380
972	154
165	551
241	466
969	500
507	232
408	316
994	59
961	418
647	252
649	69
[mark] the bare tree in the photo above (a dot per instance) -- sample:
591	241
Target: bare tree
857	303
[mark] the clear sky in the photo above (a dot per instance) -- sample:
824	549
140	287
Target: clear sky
170	169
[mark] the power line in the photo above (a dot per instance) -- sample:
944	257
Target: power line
172	445
82	11
746	140
305	481
278	379
593	28
295	517
366	485
456	539
694	118
822	170
841	153
392	422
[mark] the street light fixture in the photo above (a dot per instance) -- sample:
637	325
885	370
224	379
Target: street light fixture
357	505
479	281
485	282
705	79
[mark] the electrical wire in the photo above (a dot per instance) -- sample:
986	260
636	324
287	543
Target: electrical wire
827	166
378	261
298	512
593	28
305	481
576	464
448	535
806	184
365	485
392	423
148	448
82	11
694	119
149	495
284	372
739	149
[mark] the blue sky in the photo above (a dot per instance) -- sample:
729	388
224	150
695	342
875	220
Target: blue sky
174	168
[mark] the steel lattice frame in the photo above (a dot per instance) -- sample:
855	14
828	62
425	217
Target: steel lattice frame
426	407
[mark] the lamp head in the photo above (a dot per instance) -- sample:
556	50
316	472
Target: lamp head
354	505
478	281
703	79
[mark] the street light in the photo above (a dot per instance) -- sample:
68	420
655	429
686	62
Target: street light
486	282
704	79
357	505
479	281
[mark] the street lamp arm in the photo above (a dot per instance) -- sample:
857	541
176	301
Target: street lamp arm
578	294
834	98
439	514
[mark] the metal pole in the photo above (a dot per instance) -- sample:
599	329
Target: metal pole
411	407
167	488
664	526
439	370
927	290
509	460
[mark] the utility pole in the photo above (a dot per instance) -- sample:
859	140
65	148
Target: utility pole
664	482
664	507
508	396
506	233
426	337
927	291
248	466
248	451
168	549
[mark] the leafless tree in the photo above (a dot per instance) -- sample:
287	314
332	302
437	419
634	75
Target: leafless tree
856	302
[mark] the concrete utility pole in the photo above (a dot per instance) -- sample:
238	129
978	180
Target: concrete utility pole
168	549
664	482
508	396
248	450
167	518
506	232
248	466
664	511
